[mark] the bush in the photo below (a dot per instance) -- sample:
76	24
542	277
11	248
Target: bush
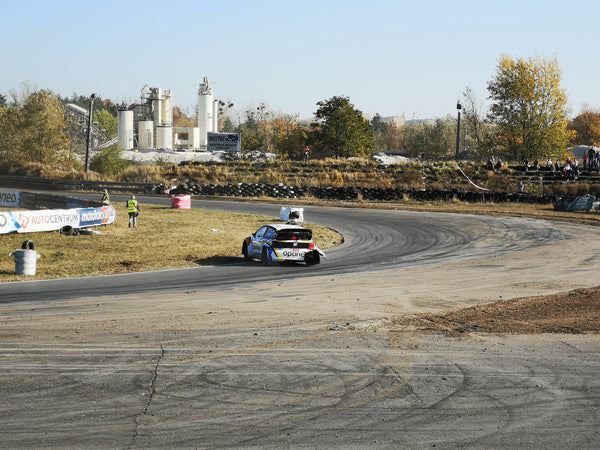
141	174
595	189
109	161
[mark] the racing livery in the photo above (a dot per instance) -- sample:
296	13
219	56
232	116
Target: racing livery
282	242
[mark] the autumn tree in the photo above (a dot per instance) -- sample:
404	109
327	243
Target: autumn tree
340	130
180	119
586	128
8	137
256	129
479	132
39	126
289	136
529	107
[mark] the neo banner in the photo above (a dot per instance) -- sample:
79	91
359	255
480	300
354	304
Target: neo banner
10	198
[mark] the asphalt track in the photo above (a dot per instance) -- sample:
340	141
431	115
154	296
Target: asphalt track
373	239
137	378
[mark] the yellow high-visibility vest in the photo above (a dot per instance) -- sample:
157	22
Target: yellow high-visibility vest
131	206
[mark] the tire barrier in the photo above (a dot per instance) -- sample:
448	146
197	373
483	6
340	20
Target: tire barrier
25	259
351	193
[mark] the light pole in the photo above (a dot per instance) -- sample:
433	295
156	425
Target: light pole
458	107
89	134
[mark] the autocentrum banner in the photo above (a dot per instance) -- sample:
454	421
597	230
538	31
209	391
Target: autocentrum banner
55	219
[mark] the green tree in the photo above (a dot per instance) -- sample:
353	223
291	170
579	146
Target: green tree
340	130
84	102
380	133
227	126
529	107
107	122
108	161
431	140
10	134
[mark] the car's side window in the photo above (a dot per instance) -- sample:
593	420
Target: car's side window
260	232
270	233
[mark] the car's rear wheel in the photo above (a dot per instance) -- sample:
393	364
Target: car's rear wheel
245	252
264	257
312	258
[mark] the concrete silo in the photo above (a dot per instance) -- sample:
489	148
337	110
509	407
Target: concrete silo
146	134
205	111
164	138
215	116
162	106
125	129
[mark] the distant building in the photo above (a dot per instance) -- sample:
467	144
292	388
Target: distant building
420	122
397	121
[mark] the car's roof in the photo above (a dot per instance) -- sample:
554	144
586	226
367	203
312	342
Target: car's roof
286	226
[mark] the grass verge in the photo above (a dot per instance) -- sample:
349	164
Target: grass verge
165	238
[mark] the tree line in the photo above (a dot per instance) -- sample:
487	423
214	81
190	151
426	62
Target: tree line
527	118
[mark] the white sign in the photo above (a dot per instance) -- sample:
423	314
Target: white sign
55	219
224	142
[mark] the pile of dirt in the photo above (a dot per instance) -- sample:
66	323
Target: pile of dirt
572	312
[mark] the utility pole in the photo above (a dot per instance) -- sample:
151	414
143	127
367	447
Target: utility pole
89	134
458	107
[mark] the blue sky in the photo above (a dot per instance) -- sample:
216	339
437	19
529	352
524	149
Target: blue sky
397	57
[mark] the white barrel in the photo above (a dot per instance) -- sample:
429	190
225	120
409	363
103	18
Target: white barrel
25	262
146	134
125	125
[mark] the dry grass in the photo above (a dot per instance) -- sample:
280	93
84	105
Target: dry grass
165	238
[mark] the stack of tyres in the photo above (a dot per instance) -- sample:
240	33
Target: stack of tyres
25	259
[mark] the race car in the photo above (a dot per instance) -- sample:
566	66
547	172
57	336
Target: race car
282	242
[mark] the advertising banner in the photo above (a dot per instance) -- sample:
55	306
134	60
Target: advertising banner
10	198
583	203
223	142
92	217
7	224
54	219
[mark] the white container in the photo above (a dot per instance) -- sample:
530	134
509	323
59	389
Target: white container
25	262
291	214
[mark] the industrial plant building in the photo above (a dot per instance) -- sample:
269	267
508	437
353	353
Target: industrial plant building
149	124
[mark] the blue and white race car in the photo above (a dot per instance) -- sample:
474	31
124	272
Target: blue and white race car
282	242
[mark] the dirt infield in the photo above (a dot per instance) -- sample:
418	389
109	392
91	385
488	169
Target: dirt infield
574	312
